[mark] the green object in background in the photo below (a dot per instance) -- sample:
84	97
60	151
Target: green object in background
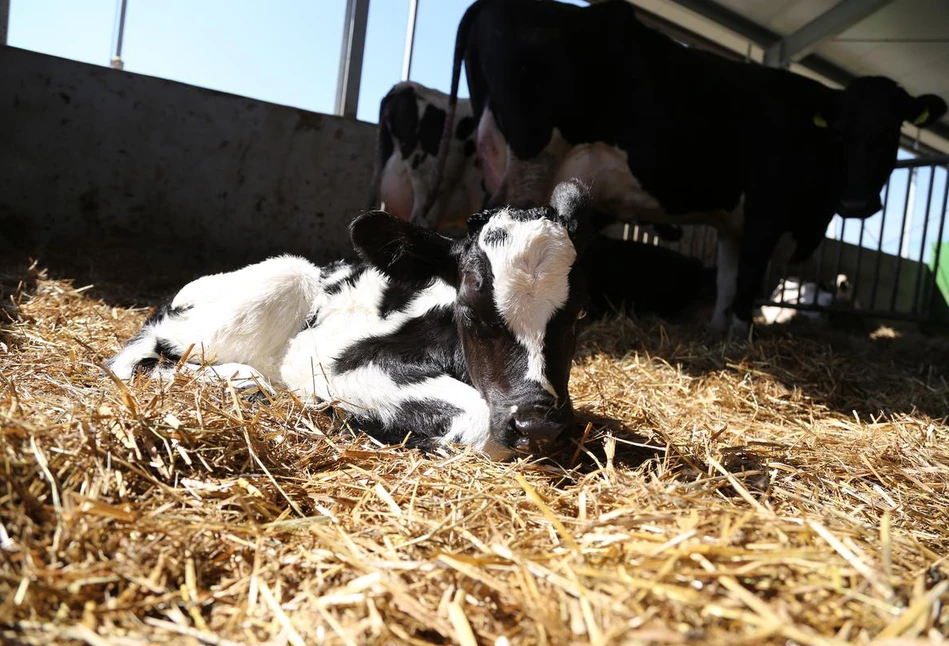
941	305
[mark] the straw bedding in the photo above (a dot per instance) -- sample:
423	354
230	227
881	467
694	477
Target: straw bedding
789	492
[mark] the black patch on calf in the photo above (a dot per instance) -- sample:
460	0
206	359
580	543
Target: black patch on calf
423	347
165	353
430	129
416	161
470	148
350	280
495	237
465	127
422	420
396	297
163	311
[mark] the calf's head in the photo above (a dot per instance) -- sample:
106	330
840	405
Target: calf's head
519	297
864	121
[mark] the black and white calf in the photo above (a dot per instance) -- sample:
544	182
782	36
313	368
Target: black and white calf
411	120
466	341
796	292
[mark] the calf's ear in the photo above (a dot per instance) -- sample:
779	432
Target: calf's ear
925	109
401	250
571	200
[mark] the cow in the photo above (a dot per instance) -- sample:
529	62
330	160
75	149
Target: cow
466	341
411	121
674	134
796	292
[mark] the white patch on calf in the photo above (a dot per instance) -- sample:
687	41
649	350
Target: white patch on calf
531	267
245	316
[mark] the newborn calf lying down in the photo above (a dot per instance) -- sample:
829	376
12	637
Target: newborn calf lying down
466	341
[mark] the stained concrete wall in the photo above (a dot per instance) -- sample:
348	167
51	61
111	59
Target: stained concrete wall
100	158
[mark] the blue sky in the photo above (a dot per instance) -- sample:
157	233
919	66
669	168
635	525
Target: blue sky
287	52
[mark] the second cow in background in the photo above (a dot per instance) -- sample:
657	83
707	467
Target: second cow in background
411	121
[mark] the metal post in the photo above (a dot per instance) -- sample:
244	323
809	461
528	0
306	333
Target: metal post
943	215
118	35
876	267
922	243
4	20
899	254
409	41
350	58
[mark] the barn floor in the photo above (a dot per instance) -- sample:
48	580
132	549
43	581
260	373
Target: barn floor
791	492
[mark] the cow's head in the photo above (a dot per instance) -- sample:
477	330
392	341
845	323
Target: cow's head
520	294
865	121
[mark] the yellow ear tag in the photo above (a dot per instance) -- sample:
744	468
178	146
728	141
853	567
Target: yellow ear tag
819	121
922	118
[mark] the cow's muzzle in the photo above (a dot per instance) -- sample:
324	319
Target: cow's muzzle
859	208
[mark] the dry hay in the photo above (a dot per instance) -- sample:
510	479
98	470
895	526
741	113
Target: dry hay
793	492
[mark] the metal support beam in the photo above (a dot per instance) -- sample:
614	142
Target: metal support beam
4	20
844	15
118	34
350	58
409	40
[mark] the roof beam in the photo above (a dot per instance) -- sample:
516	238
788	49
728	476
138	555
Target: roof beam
763	37
844	15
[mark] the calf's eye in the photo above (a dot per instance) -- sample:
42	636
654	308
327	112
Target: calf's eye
581	314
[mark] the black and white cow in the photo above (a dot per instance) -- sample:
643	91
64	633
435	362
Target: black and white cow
674	134
411	121
466	341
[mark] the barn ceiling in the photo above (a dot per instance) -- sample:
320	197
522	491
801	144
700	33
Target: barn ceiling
906	40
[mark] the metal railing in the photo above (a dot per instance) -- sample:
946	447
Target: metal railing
892	269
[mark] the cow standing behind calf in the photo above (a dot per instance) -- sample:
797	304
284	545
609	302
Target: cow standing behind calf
675	135
466	341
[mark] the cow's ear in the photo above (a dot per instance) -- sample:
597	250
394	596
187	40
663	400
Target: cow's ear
925	109
403	251
571	200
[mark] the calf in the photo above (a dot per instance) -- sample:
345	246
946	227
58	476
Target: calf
674	134
411	120
795	292
466	341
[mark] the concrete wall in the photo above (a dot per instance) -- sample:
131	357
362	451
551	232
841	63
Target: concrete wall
95	157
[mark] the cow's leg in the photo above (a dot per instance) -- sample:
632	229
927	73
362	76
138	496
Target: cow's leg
757	245
726	282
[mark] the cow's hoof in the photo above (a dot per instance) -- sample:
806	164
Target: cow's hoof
721	322
739	331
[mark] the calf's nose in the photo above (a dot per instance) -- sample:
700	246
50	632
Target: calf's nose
538	423
539	430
